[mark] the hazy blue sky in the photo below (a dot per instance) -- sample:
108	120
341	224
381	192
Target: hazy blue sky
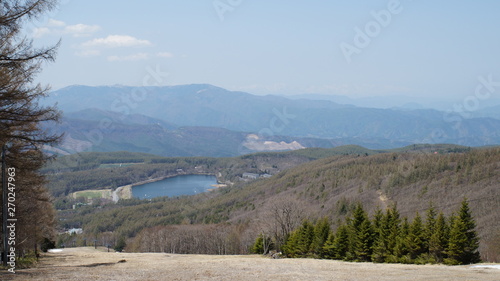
424	49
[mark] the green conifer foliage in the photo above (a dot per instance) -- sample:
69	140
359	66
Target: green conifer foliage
381	249
262	245
438	240
365	241
300	241
416	241
389	238
430	224
321	234
456	243
361	235
329	251
402	240
463	242
394	225
341	242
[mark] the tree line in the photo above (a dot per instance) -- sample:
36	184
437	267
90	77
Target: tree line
22	132
386	237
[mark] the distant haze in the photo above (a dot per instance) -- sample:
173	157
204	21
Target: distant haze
205	120
434	51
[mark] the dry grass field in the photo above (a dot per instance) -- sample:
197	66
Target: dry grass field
85	264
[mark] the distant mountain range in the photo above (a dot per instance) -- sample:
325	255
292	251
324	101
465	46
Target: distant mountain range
103	131
484	109
200	119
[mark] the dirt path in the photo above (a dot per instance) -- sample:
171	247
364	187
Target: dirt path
89	264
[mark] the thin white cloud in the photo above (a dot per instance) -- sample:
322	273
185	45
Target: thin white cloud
115	41
55	23
134	57
56	27
81	30
165	55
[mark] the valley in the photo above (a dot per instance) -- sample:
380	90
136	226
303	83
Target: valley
323	182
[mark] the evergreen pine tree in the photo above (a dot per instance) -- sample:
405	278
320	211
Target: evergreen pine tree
120	244
300	241
394	227
402	240
321	234
463	242
361	235
381	246
438	240
365	240
262	245
471	249
416	241
377	220
258	245
456	243
430	224
328	251
341	242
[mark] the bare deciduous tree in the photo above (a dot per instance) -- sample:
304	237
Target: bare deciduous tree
286	217
21	118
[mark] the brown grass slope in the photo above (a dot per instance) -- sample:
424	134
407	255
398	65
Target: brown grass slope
89	264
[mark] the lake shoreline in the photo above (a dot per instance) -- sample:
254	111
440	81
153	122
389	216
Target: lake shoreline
125	191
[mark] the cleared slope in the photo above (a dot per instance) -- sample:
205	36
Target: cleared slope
90	264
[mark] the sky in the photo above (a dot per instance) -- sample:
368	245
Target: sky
422	49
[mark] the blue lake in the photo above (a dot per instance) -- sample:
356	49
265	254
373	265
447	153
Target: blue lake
175	186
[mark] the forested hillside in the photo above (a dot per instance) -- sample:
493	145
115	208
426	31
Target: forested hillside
329	187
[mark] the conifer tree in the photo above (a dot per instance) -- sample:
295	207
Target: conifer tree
456	243
438	240
394	221
463	242
365	240
387	239
416	238
377	219
262	244
471	249
430	224
300	241
387	251
402	240
341	242
381	250
321	234
328	251
120	244
361	235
